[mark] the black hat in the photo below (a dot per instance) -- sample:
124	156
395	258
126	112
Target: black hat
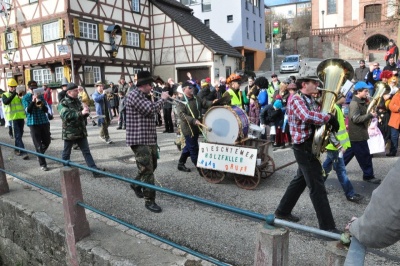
189	84
32	84
143	78
71	86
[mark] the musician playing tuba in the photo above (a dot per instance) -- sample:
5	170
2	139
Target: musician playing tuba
303	117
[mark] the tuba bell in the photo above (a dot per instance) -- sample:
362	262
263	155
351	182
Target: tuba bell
380	89
333	72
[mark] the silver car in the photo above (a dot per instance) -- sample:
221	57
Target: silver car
291	63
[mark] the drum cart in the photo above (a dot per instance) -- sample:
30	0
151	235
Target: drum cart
265	166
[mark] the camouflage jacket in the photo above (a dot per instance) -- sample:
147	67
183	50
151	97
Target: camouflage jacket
73	122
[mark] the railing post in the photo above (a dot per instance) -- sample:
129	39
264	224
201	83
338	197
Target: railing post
335	253
3	179
272	246
76	224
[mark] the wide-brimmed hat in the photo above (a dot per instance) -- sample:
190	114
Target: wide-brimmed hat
308	78
143	78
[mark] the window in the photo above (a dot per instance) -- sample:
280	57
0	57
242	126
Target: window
260	34
92	74
228	71
51	31
246	5
33	1
10	40
132	39
136	6
205	5
229	18
331	7
254	30
42	75
87	30
189	2
59	73
247	27
207	22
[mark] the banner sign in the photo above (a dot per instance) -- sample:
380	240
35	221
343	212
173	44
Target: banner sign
232	159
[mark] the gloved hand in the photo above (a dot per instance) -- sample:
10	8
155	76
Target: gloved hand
333	123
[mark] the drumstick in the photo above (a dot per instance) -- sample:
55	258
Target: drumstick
208	128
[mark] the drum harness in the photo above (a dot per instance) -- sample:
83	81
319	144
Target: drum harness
190	110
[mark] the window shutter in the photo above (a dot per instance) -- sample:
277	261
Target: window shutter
67	72
3	42
101	32
61	28
15	39
27	76
142	40
36	34
123	37
76	27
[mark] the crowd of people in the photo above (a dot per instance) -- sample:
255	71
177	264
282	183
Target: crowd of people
288	112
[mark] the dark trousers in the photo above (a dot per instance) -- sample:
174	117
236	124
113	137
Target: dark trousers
360	149
41	139
18	131
191	149
309	174
146	161
104	129
83	146
122	119
169	125
394	139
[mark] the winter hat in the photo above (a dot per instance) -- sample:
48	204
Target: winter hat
208	80
386	74
71	86
278	104
143	78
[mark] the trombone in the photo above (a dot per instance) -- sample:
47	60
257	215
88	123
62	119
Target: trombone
170	100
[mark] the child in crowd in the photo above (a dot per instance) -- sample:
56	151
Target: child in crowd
254	110
276	116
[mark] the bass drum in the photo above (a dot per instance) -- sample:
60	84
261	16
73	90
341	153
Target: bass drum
228	124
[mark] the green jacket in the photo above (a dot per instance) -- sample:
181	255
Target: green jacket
73	122
358	120
189	113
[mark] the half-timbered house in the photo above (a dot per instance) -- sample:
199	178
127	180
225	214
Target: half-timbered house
107	40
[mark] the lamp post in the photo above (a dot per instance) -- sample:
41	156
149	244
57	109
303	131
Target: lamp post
322	12
70	39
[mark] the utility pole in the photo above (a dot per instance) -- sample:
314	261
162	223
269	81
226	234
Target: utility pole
272	47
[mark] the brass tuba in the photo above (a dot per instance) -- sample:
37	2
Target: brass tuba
380	89
333	72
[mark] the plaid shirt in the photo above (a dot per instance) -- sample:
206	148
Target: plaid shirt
34	114
303	115
141	119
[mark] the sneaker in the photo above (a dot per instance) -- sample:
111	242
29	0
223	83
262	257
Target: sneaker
44	168
109	141
288	217
356	198
373	180
25	156
119	128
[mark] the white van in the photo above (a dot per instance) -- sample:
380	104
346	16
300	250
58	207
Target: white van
291	63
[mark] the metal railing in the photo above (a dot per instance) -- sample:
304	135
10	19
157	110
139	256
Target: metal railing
269	219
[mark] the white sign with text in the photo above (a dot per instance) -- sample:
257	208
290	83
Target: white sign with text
232	159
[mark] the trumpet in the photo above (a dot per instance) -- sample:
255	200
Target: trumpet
171	99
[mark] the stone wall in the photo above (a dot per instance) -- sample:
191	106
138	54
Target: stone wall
29	238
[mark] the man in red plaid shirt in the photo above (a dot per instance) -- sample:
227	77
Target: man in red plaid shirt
304	116
141	135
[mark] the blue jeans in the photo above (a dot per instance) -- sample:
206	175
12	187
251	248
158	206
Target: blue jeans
394	139
360	149
332	159
83	146
18	130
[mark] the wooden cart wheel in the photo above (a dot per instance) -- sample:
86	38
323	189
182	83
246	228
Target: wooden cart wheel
248	182
268	167
213	176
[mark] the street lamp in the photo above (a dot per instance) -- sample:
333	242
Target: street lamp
322	12
70	39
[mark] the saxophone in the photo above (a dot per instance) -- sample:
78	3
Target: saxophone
333	72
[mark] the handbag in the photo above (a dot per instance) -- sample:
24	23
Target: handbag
376	142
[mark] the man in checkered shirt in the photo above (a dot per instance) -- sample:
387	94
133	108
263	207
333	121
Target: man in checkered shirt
141	135
304	116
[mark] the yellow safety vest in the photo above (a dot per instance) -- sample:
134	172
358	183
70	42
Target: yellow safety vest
236	100
14	110
342	134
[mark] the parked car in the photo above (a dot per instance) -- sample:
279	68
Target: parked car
291	63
